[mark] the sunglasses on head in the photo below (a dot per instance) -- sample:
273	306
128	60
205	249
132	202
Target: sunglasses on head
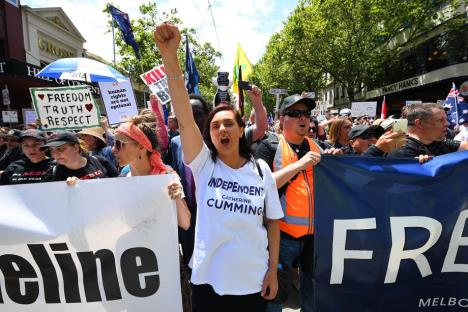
294	113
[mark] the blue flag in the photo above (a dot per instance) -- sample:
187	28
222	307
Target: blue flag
127	33
458	108
191	73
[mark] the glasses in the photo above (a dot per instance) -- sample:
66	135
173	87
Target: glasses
11	140
297	113
118	145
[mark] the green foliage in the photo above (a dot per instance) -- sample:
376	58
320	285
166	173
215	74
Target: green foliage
204	53
354	41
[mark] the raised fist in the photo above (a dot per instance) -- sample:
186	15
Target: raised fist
167	38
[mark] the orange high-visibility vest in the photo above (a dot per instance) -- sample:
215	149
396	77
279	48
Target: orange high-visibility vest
298	200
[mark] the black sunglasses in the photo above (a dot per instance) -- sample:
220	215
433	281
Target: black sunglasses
118	145
297	113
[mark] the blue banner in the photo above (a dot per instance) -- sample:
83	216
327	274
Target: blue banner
390	234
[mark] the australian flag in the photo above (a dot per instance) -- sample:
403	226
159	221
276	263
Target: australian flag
457	108
127	33
191	73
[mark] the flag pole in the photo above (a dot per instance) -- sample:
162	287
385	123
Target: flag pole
113	39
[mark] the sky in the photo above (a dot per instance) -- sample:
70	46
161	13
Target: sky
248	22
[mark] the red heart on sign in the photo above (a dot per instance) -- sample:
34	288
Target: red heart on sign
89	107
41	96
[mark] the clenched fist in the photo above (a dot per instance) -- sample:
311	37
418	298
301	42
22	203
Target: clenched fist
167	38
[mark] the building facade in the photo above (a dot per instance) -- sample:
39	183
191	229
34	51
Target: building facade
427	67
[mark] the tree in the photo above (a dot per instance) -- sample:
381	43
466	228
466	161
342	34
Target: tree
204	54
355	41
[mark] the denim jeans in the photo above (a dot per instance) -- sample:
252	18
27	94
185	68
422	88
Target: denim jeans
299	251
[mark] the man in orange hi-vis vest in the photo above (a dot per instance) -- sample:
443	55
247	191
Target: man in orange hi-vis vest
291	158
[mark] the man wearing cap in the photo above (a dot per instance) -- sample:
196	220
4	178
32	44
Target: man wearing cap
427	128
34	166
13	152
291	159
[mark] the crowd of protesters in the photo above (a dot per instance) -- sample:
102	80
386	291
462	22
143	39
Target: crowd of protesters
266	169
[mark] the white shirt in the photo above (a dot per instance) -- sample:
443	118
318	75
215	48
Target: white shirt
230	252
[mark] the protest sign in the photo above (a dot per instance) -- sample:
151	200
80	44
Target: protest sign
155	79
65	108
29	116
412	102
119	101
10	116
320	109
390	234
361	108
86	249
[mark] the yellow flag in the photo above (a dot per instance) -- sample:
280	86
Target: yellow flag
241	61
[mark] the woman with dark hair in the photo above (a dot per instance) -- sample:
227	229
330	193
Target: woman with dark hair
237	202
73	161
34	166
136	145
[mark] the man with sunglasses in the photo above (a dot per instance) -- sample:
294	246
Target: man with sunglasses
13	152
291	159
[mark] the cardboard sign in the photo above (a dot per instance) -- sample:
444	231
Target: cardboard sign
155	79
66	108
29	116
119	101
60	253
321	109
10	116
361	108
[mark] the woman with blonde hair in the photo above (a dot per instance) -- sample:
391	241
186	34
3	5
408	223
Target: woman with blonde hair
338	133
136	145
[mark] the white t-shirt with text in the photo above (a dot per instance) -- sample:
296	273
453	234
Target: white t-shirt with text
230	251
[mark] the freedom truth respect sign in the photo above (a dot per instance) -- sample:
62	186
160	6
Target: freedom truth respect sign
391	234
65	108
86	249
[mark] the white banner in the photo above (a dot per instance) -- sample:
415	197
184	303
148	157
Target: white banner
361	108
102	245
155	79
65	108
119	101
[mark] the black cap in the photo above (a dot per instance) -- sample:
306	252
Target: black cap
13	133
33	133
359	130
59	138
296	98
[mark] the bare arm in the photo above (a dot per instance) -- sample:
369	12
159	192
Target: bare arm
270	280
167	38
463	146
287	173
261	120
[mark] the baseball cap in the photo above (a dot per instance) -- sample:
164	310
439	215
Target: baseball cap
33	133
345	112
359	130
59	138
13	133
296	98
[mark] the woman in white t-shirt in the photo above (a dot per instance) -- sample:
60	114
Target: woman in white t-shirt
234	262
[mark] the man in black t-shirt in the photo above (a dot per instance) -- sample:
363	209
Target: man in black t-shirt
33	167
427	128
13	152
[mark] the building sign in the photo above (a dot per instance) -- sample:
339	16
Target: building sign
49	47
21	69
401	85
